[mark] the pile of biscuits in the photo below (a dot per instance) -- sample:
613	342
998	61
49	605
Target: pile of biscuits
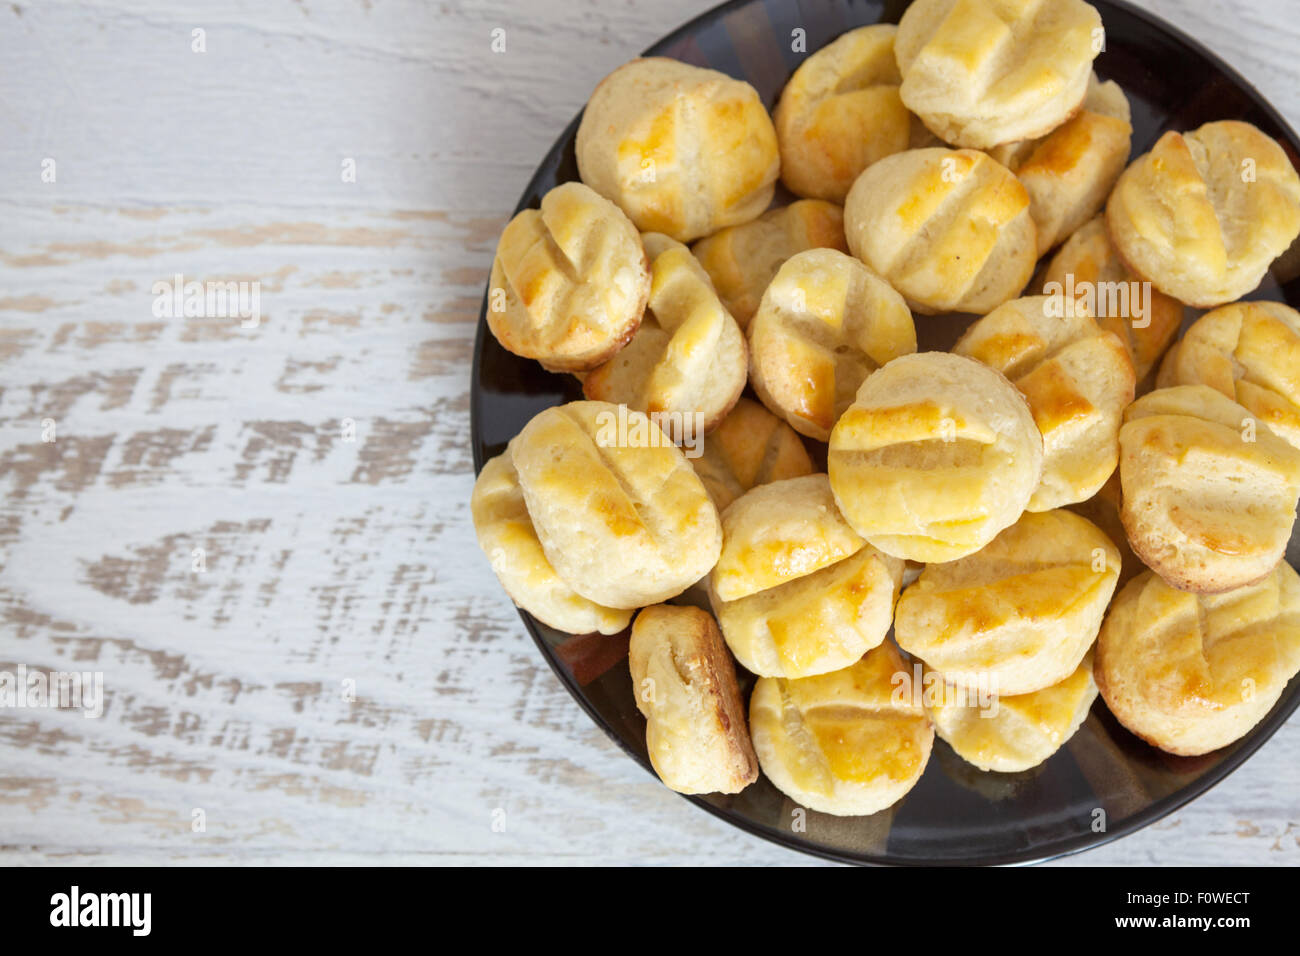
899	543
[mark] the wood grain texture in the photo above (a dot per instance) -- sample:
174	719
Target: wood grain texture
329	560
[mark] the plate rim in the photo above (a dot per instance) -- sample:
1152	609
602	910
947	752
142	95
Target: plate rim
1163	807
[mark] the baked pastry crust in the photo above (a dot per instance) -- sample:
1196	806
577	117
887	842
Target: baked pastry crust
840	112
1209	496
681	149
1018	732
825	323
507	536
685	685
742	260
751	447
984	72
1069	172
1190	673
626	524
950	229
688	356
1077	380
571	280
849	743
937	455
1250	352
1091	259
796	591
1017	616
1204	214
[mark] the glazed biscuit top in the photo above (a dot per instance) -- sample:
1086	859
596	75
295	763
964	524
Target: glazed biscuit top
574	276
778	532
825	322
683	150
985	72
1204	213
1189	654
1250	352
858	725
950	229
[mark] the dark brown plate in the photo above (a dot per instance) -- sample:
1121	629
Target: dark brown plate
956	814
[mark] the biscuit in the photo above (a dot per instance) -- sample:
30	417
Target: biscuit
751	447
1209	494
1190	673
796	591
1018	615
985	72
1077	379
936	456
1014	733
1250	352
850	743
1069	172
840	112
622	518
741	260
688	356
1087	265
681	149
685	685
824	324
569	281
507	536
950	229
1204	214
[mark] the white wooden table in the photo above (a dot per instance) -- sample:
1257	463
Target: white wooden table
328	563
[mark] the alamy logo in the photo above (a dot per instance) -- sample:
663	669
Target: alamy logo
928	689
57	690
1120	300
658	429
208	300
102	909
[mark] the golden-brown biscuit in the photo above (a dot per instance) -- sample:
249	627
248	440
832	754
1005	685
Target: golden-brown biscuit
688	357
1190	673
950	229
1077	379
685	685
619	511
1015	733
741	260
1069	172
681	149
508	538
825	323
1209	494
1204	214
937	455
840	112
1018	615
569	281
1145	319
751	447
849	743
796	591
1249	351
984	72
